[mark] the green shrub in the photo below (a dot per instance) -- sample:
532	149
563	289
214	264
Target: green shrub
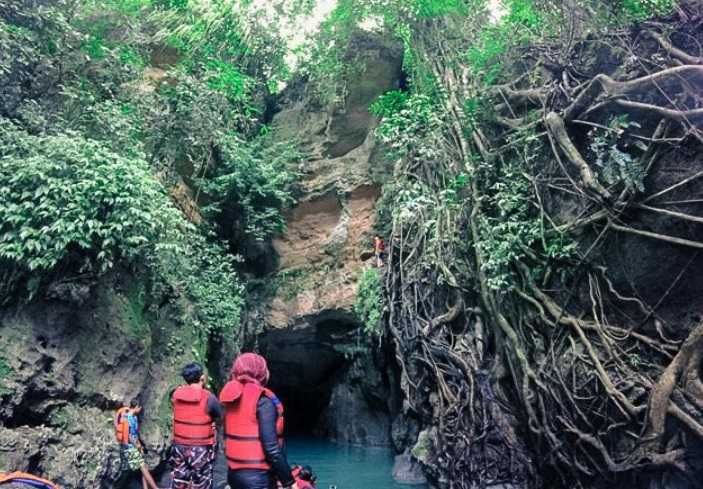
202	271
369	302
5	372
435	8
64	198
253	181
389	103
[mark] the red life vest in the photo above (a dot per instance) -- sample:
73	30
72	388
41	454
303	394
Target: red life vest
243	447
122	425
192	424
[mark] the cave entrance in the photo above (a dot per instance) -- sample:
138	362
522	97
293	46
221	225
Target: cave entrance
306	364
333	384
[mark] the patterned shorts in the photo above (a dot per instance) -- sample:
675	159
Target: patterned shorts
192	466
132	458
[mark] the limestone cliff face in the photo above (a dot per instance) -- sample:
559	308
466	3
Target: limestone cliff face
67	361
309	316
332	223
320	250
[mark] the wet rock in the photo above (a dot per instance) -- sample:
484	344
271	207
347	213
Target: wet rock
64	368
406	470
73	292
424	449
350	418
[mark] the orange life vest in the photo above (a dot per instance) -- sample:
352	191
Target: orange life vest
29	478
192	424
243	447
122	425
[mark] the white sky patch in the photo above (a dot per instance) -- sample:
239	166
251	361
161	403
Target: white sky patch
297	31
497	9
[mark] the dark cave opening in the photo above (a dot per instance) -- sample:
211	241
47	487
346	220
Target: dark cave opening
334	383
306	364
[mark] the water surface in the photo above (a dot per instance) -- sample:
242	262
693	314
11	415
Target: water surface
345	466
337	466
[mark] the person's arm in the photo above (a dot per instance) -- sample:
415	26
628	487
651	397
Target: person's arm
214	408
266	414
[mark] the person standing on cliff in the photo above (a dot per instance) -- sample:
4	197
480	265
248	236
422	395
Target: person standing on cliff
254	428
379	246
195	410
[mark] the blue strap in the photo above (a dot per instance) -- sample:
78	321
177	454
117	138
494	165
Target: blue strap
33	483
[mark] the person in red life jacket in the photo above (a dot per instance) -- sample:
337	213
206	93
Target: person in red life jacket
131	447
304	477
253	428
379	247
195	410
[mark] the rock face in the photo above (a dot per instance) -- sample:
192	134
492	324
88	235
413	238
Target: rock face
331	226
65	367
360	406
321	364
319	255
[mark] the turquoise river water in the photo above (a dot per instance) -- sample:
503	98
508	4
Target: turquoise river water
337	466
345	466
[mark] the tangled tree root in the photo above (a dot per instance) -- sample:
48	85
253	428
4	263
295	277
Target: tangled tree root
589	370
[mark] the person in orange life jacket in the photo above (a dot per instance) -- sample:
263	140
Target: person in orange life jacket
131	447
379	248
253	428
195	410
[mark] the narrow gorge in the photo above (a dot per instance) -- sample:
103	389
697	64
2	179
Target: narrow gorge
185	180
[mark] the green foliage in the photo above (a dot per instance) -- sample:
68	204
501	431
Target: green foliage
253	183
171	4
240	33
129	56
136	302
369	302
389	104
644	9
227	79
63	197
209	275
5	372
85	135
616	165
435	8
510	225
125	7
406	122
519	25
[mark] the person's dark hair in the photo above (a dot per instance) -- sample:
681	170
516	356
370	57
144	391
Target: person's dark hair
134	403
192	372
306	474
